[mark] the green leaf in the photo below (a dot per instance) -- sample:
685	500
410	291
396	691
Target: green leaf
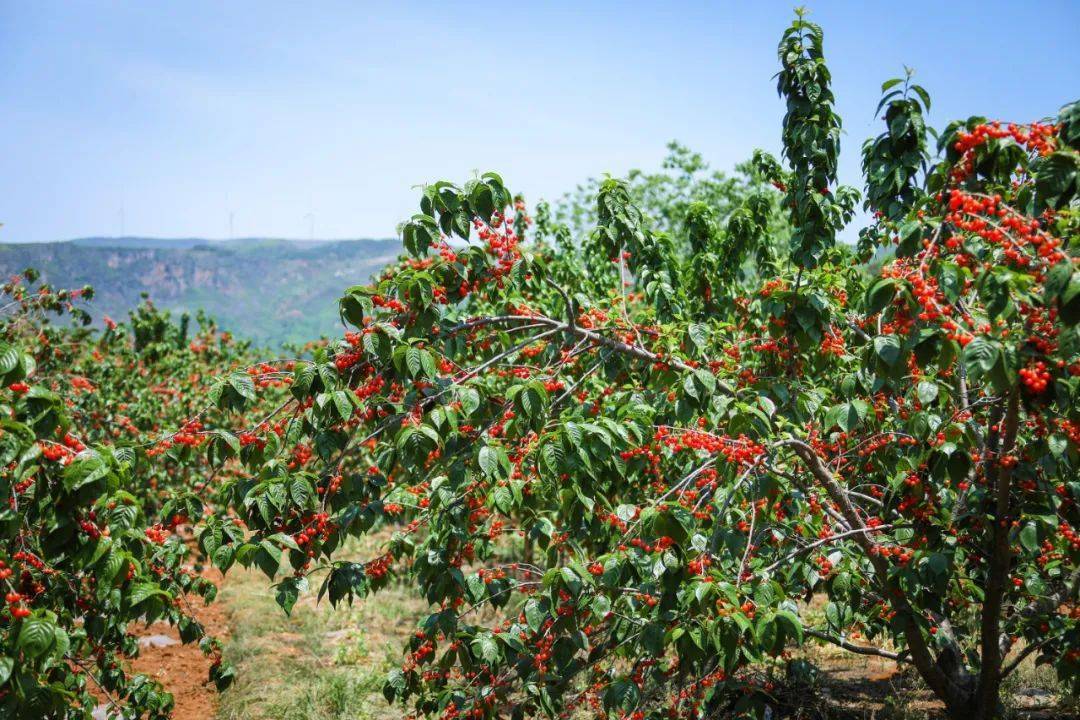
1029	537
1070	300
223	675
938	563
503	499
288	591
923	95
283	540
836	616
224	557
791	625
768	633
301	492
535	615
1057	180
487	648
482	201
880	295
268	558
622	694
706	379
699	335
847	415
491	460
243	385
887	348
572	580
891	83
36	637
109	566
419	234
343	403
470	400
980	355
652	638
414	361
354	305
144	591
87	467
532	400
395	684
551	458
927	392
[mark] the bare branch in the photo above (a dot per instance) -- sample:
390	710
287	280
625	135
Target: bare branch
852	647
819	543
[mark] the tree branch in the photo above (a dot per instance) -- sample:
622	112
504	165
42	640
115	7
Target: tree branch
819	543
852	647
954	697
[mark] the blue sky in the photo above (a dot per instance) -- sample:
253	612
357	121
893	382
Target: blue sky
288	114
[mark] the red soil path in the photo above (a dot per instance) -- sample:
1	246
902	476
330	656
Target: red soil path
182	669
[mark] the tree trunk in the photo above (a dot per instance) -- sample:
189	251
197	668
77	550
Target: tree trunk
987	698
956	699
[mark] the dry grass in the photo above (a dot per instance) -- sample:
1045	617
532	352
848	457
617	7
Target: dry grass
319	663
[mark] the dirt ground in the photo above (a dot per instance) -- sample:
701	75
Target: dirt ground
181	669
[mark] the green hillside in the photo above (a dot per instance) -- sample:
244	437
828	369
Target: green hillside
268	290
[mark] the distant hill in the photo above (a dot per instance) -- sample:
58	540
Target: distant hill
265	289
144	242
